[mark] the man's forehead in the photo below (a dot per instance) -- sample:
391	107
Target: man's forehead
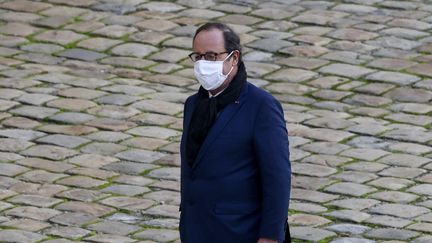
209	37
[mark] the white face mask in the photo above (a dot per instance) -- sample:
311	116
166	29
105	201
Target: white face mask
210	73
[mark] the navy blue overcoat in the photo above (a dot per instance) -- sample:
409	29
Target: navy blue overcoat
239	185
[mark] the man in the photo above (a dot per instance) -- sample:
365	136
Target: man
235	169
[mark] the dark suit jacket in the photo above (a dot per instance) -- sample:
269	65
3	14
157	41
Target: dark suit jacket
239	185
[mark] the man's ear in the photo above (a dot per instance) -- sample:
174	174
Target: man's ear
236	57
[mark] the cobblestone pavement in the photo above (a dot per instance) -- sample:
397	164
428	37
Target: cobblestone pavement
91	99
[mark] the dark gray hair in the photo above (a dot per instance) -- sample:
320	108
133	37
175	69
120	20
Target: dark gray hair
231	39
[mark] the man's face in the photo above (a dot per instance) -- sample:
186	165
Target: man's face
213	41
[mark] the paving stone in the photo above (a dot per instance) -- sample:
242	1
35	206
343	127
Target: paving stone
35	200
329	160
18	29
423	227
307	220
399	210
71	104
81	93
126	190
139	155
20	134
112	227
388	221
98	44
102	148
82	54
404	160
133	180
40	176
127	167
107	136
163	210
64	140
132	49
392	234
162	6
305	51
402	172
92	172
322	134
154	132
349	188
423	239
312	196
350	215
115	31
346	70
108	238
19	16
117	99
394	42
82	195
166	173
81	181
72	117
92	160
310	234
170	80
423	189
62	37
9	235
30	212
128	90
57	167
410	95
351	240
354	176
13	145
49	152
353	229
73	219
158	235
292	75
5	157
93	209
352	34
394	196
113	111
26	224
128	203
312	170
73	130
264	44
111	124
34	111
365	154
368	100
68	232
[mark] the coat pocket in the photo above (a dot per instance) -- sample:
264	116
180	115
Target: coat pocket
236	208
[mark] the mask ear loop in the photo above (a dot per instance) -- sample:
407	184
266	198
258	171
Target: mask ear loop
232	67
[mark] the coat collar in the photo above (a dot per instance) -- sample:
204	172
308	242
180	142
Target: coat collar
220	123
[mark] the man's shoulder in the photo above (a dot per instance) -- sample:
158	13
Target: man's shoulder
191	97
260	95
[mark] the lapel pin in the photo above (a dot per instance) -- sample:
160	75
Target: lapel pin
237	102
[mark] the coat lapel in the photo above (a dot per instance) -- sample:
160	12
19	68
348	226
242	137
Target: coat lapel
187	119
224	117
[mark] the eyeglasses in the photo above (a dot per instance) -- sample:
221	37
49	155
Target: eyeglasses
209	56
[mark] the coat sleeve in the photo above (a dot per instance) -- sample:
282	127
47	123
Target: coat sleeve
272	151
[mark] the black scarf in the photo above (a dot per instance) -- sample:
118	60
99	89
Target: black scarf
206	111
